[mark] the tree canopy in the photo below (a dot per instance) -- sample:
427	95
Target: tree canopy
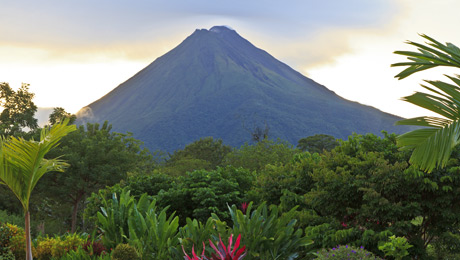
97	158
18	110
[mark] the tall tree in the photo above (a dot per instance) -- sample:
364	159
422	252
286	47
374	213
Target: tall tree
317	143
257	156
60	114
18	110
205	153
432	144
23	163
98	158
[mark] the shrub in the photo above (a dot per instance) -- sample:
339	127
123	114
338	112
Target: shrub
81	254
396	247
153	233
69	242
226	252
94	248
5	237
7	256
46	248
11	218
201	193
113	218
18	242
124	252
43	248
194	233
222	252
345	252
268	233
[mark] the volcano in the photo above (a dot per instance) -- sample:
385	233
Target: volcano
216	83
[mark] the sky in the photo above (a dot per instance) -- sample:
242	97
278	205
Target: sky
74	52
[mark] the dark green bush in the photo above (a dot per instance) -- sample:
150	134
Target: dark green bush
346	252
124	252
200	193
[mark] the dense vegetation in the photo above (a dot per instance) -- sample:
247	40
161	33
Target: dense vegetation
328	198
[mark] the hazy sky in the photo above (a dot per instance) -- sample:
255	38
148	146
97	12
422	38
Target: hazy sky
74	52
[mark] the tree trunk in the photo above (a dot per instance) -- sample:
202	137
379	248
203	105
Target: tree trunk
75	213
28	238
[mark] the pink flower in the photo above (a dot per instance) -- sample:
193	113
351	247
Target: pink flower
244	206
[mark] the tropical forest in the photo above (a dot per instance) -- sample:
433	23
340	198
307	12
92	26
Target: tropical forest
73	190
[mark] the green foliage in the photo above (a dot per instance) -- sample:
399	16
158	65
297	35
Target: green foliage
151	184
7	256
268	233
194	233
47	248
103	198
285	183
211	152
125	251
14	219
18	110
138	222
200	193
5	237
23	164
345	252
9	206
97	158
445	246
153	233
18	242
395	247
327	235
365	185
138	184
433	144
256	157
317	143
113	219
81	254
60	114
183	165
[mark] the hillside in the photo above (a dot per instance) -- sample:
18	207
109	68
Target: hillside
216	83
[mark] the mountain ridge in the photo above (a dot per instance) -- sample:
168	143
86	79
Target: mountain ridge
216	81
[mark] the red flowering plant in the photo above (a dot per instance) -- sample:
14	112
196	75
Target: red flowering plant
94	247
222	252
194	256
244	207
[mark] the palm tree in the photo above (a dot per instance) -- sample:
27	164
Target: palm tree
434	142
23	163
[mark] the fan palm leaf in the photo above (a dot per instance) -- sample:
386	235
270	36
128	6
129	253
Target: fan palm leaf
433	144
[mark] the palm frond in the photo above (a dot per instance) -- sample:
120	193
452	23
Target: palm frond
23	163
431	55
427	121
432	146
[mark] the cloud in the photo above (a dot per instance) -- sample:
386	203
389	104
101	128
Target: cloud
90	26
